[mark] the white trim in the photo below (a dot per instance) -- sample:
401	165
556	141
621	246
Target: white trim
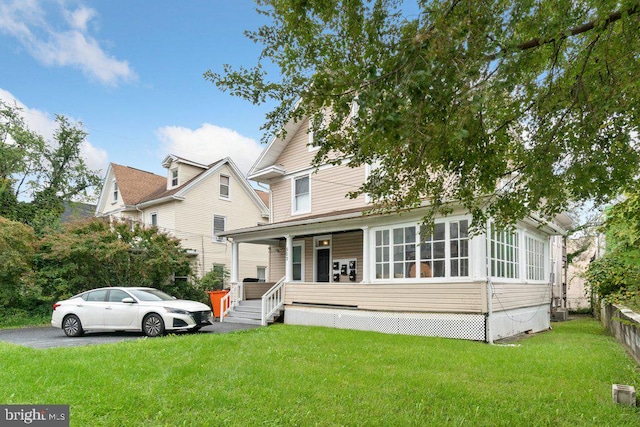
220	196
176	177
298	243
293	194
214	237
151	215
316	248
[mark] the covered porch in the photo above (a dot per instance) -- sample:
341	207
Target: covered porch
324	273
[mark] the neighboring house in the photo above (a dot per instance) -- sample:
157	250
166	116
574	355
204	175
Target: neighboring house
75	211
338	266
194	203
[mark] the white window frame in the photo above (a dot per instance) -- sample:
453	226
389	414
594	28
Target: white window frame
214	237
153	219
174	177
535	262
294	210
501	254
261	273
300	244
418	256
115	192
220	186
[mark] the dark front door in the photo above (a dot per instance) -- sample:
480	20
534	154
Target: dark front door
323	265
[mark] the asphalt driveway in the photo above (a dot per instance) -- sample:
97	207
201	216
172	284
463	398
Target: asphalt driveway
49	337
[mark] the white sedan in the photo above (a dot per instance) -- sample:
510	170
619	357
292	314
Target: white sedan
128	309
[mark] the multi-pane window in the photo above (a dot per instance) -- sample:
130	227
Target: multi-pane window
443	251
302	195
174	177
224	186
535	258
382	254
459	248
504	253
115	191
219	225
432	252
297	262
404	251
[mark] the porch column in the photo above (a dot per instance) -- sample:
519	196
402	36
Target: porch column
365	256
288	259
234	262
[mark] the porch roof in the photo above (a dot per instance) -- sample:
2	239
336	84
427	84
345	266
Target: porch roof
319	224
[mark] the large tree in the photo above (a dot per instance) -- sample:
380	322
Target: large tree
37	177
505	106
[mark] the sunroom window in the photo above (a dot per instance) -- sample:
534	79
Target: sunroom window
505	253
402	252
535	258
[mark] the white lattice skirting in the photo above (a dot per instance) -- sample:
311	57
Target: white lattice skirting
446	325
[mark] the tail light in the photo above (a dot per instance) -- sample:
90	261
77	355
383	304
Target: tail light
56	305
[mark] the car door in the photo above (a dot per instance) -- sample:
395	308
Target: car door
118	314
91	309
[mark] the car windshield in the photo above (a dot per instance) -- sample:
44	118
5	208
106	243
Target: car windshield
150	295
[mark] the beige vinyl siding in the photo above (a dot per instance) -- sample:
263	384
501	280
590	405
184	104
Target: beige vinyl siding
296	155
185	172
507	296
329	188
348	246
194	220
419	297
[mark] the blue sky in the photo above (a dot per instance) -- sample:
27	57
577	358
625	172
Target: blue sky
131	72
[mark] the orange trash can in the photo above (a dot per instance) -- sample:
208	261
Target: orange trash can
215	297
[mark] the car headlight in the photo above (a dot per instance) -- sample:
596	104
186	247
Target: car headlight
176	310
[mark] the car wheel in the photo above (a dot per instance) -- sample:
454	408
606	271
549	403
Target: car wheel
72	326
153	325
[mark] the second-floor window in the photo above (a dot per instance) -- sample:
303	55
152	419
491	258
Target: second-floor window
174	177
219	225
225	187
115	191
301	195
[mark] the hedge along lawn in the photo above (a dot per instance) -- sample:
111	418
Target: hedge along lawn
293	375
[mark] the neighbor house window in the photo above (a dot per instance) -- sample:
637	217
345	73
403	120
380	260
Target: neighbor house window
174	177
535	253
219	225
115	191
224	187
505	253
154	219
301	195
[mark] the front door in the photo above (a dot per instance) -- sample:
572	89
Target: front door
323	264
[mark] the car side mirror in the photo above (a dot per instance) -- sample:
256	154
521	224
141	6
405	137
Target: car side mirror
128	300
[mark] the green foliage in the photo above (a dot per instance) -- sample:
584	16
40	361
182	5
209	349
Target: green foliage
17	248
96	253
214	280
36	177
505	106
616	276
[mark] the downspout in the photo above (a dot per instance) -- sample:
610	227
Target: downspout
487	258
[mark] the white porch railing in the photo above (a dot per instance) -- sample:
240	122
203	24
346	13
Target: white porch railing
231	299
272	301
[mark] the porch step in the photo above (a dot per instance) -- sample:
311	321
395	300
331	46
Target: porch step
248	312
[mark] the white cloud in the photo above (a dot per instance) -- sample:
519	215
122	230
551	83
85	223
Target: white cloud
45	125
73	46
208	144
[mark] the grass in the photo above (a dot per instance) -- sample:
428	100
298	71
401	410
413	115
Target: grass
293	375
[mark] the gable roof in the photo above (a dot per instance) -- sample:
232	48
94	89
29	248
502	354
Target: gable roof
265	164
136	185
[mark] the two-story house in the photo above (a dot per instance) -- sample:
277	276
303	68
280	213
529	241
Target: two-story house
194	203
336	265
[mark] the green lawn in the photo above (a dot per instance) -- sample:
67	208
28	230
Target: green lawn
291	375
